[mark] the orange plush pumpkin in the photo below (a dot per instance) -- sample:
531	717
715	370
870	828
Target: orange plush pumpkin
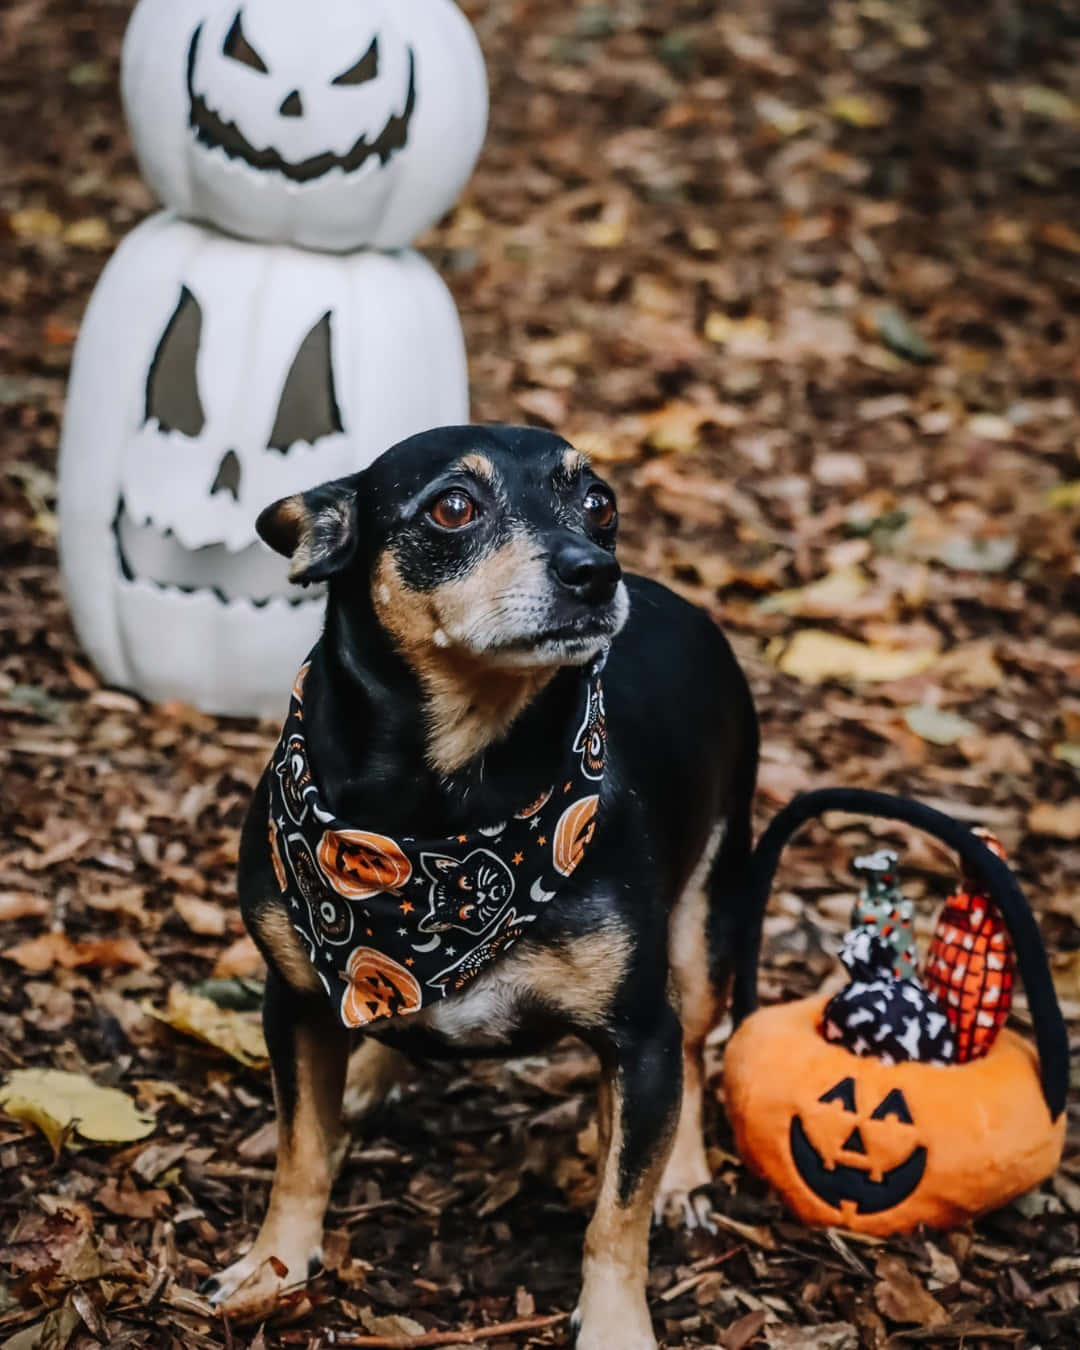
850	1141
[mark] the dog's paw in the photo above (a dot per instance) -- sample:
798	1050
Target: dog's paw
687	1208
262	1283
610	1337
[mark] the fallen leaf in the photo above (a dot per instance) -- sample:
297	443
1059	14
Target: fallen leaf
22	905
901	1297
391	1326
1059	821
813	655
57	1101
816	1336
1040	100
240	959
901	336
238	1034
739	1335
1065	494
858	110
57	949
131	1203
937	725
1060	236
1069	752
201	916
830	596
93	232
35	222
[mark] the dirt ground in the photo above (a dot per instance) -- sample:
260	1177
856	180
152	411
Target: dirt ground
805	279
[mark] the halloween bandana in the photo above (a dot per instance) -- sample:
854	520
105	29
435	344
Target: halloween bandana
392	924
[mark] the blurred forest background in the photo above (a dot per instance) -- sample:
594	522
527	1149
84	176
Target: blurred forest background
804	278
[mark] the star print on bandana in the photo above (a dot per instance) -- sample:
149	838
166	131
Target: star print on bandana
471	896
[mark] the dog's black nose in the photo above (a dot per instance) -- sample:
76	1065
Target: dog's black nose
590	572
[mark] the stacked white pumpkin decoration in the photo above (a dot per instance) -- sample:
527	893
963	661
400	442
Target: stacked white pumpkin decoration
214	374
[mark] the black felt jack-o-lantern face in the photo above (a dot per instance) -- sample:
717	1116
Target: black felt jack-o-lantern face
850	1175
265	93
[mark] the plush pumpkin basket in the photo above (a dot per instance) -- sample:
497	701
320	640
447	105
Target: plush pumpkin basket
852	1141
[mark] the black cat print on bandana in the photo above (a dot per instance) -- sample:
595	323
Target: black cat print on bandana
393	924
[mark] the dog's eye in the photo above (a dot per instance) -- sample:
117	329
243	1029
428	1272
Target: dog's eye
600	508
240	49
453	510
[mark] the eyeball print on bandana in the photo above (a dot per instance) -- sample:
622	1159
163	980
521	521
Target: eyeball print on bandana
392	924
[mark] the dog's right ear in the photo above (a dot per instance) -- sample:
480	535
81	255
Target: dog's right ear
318	531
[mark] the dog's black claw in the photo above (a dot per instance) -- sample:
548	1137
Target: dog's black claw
210	1286
575	1325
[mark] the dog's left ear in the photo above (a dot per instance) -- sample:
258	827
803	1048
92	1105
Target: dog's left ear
317	531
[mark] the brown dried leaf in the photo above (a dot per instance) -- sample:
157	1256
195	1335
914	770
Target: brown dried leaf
901	1297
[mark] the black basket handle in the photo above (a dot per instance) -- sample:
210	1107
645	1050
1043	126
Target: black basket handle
1051	1036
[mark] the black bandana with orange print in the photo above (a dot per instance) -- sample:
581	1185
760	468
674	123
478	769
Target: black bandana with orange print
391	925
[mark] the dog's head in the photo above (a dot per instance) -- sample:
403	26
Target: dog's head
495	543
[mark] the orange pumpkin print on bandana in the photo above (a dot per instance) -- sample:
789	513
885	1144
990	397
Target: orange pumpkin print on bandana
298	683
573	834
377	987
359	864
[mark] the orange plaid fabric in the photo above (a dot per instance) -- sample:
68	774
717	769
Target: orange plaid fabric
970	968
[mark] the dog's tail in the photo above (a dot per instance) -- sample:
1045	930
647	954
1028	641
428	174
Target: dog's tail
994	874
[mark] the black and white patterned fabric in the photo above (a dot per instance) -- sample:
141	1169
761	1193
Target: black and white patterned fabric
894	1020
391	924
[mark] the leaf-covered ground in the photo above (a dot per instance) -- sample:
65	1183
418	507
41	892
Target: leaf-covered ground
805	278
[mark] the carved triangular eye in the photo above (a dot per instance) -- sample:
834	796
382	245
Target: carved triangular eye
843	1092
238	48
365	69
893	1105
172	390
308	406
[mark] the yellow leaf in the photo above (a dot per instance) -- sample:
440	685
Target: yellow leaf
237	1034
1065	494
830	595
1060	822
34	222
56	1101
605	233
858	111
92	232
813	655
1069	752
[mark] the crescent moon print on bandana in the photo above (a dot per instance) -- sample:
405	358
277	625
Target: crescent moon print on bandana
429	915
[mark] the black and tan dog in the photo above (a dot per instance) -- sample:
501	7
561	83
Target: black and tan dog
471	579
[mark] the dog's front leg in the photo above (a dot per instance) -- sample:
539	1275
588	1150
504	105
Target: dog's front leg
640	1092
308	1054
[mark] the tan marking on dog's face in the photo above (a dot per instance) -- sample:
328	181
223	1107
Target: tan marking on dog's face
444	633
574	461
277	934
479	465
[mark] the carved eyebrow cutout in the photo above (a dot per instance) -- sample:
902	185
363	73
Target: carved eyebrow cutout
308	407
365	69
172	389
238	48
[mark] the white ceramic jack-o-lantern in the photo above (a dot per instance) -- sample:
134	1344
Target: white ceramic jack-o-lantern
332	124
210	378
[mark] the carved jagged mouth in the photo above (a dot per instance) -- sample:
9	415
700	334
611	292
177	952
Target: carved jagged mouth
214	131
841	1182
251	574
